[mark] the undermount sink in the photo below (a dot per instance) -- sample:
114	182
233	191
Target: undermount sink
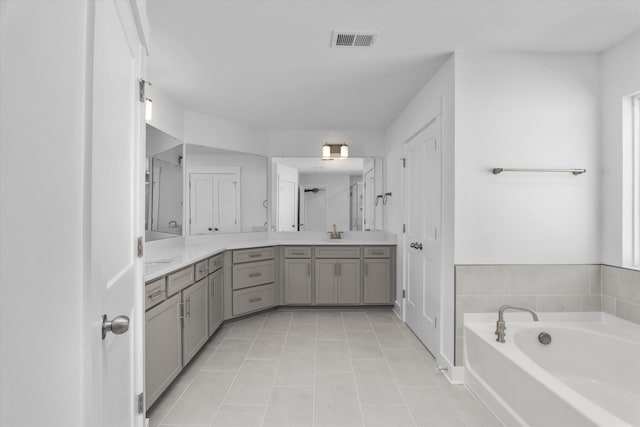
158	261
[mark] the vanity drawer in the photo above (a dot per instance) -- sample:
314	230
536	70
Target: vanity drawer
216	262
154	293
253	274
337	251
247	255
179	280
377	252
297	252
252	299
202	270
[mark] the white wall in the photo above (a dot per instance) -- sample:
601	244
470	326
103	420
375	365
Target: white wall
620	78
437	97
337	188
308	143
211	131
526	111
42	81
253	183
168	115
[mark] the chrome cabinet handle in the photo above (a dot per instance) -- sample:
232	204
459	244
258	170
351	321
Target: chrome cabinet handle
180	310
255	274
155	294
254	255
377	253
188	307
256	299
119	325
297	253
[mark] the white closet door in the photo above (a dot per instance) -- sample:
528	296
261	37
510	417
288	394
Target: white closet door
200	203
214	202
226	202
287	206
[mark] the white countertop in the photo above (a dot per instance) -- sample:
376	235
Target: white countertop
165	256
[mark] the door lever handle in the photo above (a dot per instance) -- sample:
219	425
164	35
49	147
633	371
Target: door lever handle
419	246
412	245
118	325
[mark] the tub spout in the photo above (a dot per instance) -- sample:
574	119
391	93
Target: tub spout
500	325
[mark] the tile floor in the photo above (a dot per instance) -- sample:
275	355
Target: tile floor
316	368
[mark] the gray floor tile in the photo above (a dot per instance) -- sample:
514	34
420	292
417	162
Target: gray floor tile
268	345
364	345
336	401
239	416
387	416
297	369
290	406
318	367
356	321
200	401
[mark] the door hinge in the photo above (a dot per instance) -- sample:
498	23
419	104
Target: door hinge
435	145
140	399
404	293
404	228
140	246
435	234
435	322
404	162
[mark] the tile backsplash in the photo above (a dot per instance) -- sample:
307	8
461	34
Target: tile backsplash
621	292
545	288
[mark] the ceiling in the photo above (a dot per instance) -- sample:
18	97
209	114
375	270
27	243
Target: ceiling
269	64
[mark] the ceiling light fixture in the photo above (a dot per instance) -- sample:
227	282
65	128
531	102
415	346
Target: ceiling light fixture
331	151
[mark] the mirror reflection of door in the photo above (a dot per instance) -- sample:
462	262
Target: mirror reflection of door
357	206
287	203
369	198
313	209
214	202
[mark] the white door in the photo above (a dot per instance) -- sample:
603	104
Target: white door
214	202
226	202
115	218
369	199
200	203
313	210
287	205
422	248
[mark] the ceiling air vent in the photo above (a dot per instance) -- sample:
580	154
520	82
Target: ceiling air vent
353	39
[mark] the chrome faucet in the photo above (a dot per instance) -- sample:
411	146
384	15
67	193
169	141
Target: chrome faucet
173	224
500	325
335	234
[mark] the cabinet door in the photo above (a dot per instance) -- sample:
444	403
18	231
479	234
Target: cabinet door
216	284
297	281
377	281
326	281
195	320
349	284
163	349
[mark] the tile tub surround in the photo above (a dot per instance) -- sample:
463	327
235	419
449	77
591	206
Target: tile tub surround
621	292
545	288
316	368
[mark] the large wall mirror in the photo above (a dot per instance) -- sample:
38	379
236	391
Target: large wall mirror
225	191
163	185
313	194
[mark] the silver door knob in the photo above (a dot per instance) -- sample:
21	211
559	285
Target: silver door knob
118	325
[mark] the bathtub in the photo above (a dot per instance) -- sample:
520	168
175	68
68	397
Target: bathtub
589	375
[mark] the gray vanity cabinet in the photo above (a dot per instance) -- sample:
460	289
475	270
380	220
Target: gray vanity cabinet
216	308
195	319
163	348
377	276
337	281
297	281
